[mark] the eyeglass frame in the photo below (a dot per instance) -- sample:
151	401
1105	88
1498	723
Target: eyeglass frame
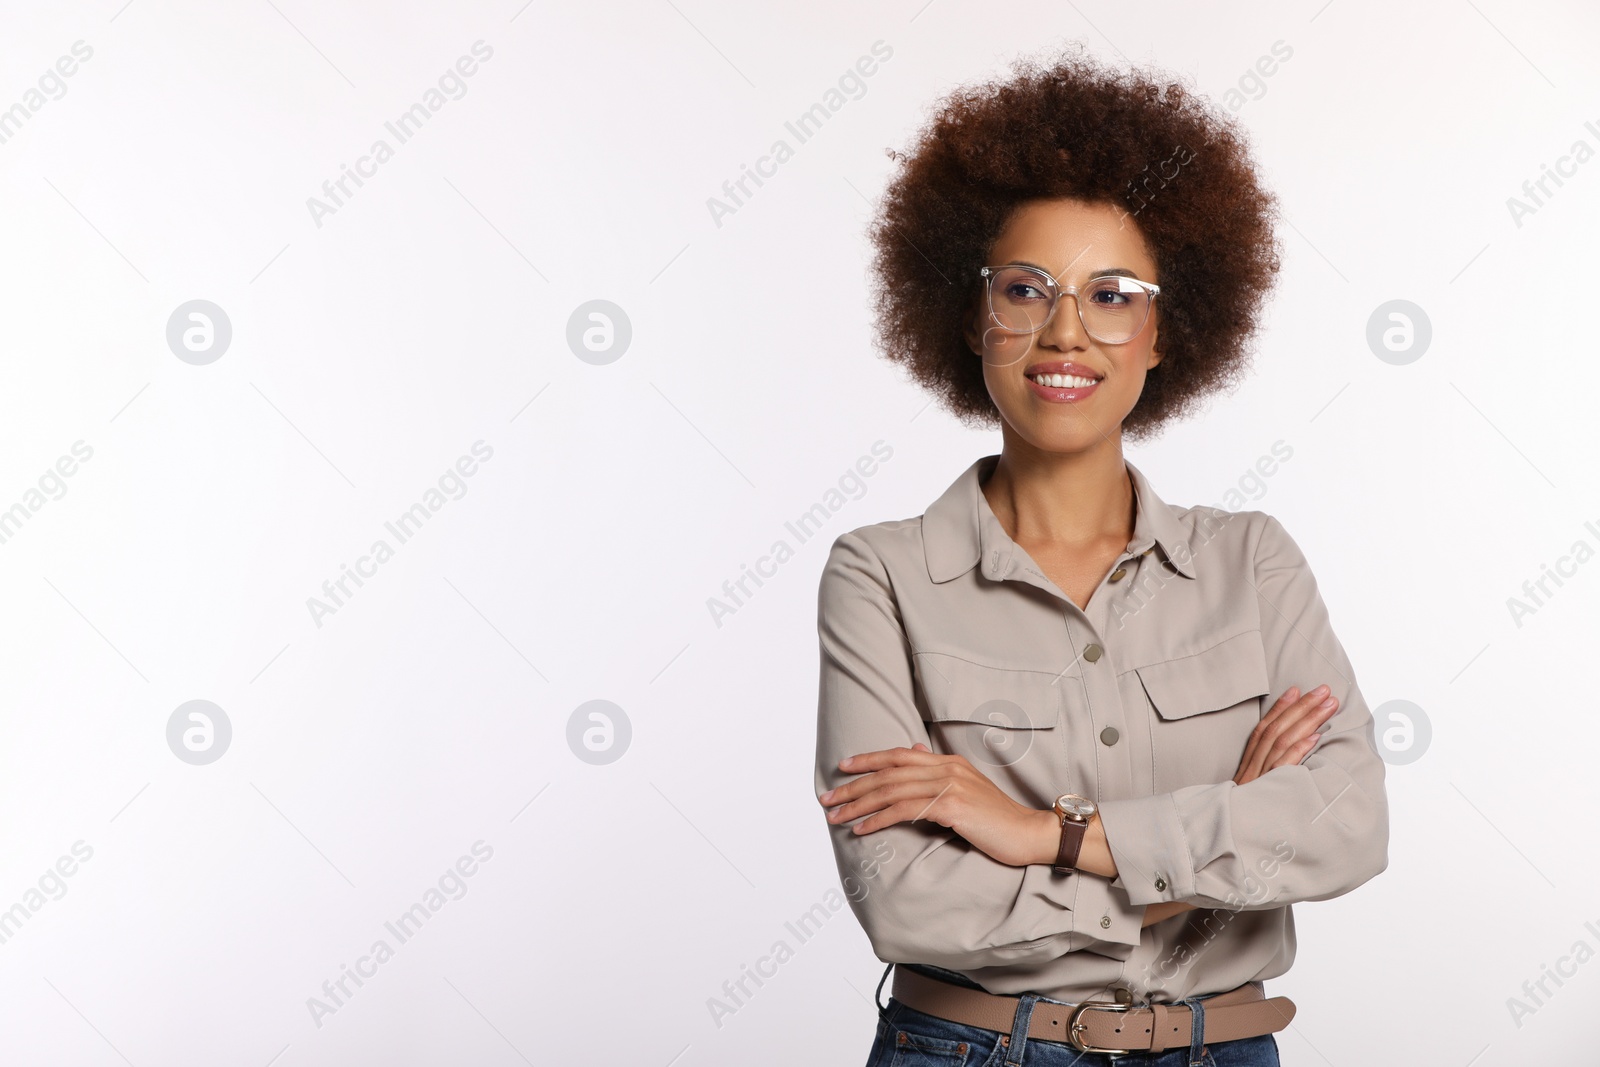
987	274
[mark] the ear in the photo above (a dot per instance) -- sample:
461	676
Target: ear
969	329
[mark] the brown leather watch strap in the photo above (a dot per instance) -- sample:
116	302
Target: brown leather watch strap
1072	833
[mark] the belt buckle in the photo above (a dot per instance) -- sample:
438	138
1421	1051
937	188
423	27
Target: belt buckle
1074	1027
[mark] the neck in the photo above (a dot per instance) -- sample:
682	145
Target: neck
1062	498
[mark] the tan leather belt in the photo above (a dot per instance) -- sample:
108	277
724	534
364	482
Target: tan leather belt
1100	1026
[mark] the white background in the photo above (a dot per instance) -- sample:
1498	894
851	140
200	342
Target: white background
430	311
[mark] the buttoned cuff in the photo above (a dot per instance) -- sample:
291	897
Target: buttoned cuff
1146	838
1103	913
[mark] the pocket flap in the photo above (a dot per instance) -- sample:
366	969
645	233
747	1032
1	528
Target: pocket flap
1227	673
956	689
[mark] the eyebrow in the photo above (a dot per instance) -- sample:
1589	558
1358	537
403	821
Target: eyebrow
1101	273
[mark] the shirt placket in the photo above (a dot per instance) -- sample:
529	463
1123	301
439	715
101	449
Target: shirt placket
1109	772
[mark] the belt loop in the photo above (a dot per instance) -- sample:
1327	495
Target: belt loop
1197	1031
1019	1029
883	1012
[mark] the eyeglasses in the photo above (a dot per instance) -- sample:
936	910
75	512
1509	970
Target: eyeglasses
1113	309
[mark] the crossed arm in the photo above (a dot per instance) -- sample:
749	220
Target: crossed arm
983	894
906	784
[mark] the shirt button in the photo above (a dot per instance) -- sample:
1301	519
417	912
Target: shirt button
1092	653
1123	996
1118	574
1161	883
1105	922
1109	735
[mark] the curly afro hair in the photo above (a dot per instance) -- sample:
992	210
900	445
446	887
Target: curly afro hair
1073	128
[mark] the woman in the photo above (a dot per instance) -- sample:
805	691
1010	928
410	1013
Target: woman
1081	749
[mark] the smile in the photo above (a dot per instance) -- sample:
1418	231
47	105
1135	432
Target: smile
1061	381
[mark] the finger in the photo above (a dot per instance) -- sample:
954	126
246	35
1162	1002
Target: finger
912	810
920	793
1290	719
1256	749
1249	764
1292	756
1290	695
1285	706
860	788
886	757
1306	721
1296	720
1297	752
1252	753
1309	744
1289	711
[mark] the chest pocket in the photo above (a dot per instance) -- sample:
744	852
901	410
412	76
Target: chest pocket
1206	705
1223	675
994	716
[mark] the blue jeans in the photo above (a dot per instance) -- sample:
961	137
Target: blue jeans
909	1038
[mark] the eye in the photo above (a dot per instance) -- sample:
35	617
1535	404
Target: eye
1020	290
1108	294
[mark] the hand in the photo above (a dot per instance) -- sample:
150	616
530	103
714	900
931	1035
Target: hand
906	784
1286	734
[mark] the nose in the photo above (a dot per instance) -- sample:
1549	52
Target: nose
1065	328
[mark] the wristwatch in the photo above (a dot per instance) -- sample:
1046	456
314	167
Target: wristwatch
1074	812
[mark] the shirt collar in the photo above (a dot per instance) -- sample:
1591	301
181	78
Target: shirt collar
959	530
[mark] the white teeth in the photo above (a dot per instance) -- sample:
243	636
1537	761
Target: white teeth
1063	381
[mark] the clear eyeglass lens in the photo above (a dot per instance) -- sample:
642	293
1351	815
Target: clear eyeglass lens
1113	308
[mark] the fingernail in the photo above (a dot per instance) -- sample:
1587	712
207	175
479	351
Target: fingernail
824	797
1322	689
846	761
1326	704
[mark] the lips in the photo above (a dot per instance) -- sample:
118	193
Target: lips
1063	367
1062	381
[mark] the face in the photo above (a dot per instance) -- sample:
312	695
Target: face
1073	241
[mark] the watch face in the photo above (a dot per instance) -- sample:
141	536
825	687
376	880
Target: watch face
1072	804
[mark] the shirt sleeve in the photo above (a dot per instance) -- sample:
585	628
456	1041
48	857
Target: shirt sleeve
1305	832
922	893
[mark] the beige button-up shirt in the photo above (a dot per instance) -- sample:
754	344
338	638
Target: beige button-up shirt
941	629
